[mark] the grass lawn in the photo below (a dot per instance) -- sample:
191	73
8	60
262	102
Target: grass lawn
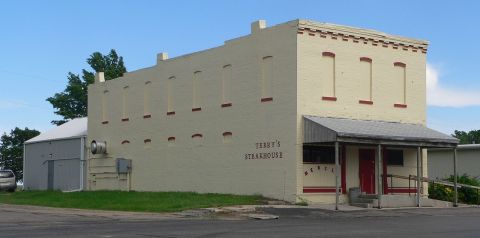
128	201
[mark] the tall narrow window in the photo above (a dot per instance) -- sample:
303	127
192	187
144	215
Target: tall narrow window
124	104
400	83
104	107
197	77
226	85
267	78
365	74
328	76
146	99
170	95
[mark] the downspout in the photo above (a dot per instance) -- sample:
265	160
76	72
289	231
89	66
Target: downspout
23	169
82	163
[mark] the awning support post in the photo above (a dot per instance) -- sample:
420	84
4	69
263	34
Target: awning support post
419	151
380	176
455	175
337	177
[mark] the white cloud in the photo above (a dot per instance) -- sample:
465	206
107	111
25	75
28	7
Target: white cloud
438	95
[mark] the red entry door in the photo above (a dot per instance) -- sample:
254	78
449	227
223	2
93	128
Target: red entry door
367	170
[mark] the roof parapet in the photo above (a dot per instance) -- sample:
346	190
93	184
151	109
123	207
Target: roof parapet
256	26
99	77
162	57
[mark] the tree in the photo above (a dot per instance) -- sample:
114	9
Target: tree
11	149
470	137
73	102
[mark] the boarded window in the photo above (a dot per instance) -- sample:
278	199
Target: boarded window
267	76
399	81
197	78
170	94
125	102
146	98
327	67
318	155
227	137
104	106
365	74
226	83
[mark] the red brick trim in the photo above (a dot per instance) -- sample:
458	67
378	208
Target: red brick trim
126	119
365	59
266	99
147	140
147	116
329	98
227	133
399	64
104	122
171	138
227	104
196	109
365	102
400	105
300	32
311	34
197	135
319	189
125	142
171	113
328	54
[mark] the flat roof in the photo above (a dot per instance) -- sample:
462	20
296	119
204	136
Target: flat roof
328	129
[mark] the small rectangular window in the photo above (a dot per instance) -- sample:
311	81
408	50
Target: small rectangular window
394	157
318	155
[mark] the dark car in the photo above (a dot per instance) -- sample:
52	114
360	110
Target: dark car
7	180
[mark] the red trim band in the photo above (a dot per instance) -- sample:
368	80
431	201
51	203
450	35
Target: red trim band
400	105
329	54
227	104
147	116
171	113
197	135
365	59
368	102
196	109
399	64
329	98
126	119
266	99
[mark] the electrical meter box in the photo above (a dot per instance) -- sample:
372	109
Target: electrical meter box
124	165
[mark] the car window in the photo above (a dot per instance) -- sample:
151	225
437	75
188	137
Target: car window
6	174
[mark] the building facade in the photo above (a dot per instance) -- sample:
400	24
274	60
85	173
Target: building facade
232	119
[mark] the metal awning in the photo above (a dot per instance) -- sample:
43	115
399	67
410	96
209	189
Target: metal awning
328	130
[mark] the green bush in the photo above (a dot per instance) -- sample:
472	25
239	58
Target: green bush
446	193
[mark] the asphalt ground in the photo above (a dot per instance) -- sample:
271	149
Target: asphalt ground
29	221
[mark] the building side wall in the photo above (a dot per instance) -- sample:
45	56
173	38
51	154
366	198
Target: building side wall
66	157
440	163
258	157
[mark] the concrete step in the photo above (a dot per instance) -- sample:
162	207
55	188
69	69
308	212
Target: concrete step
368	196
362	200
364	205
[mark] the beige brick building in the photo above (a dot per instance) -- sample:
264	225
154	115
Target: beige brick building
265	114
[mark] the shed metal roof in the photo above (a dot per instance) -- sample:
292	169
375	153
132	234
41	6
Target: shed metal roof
72	129
327	129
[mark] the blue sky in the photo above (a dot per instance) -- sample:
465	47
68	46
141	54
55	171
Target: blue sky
41	41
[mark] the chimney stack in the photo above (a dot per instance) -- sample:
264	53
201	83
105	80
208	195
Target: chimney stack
257	26
162	57
99	77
